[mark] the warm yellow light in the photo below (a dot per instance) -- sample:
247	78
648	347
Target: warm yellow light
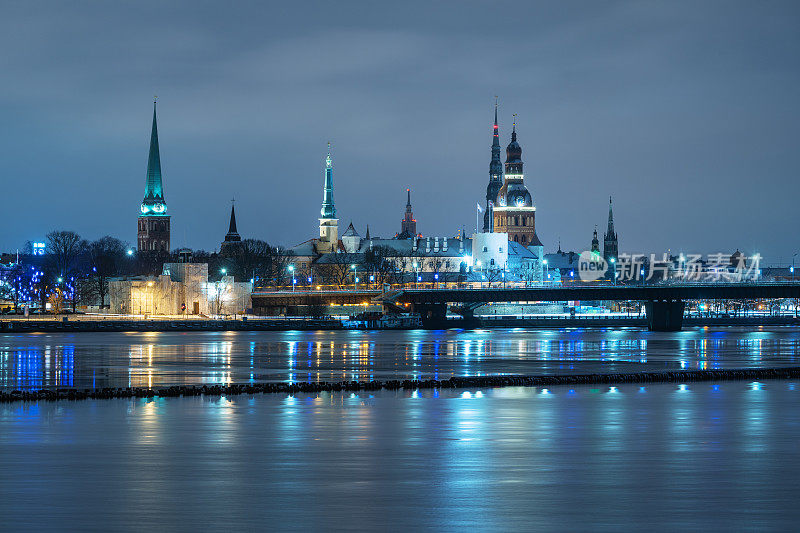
149	283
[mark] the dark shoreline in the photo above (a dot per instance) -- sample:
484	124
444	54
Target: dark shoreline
310	324
452	383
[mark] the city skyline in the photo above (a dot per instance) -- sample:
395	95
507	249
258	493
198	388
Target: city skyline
678	179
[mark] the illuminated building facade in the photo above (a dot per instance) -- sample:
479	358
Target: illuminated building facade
154	222
181	289
514	212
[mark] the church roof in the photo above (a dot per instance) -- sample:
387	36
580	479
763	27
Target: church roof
350	231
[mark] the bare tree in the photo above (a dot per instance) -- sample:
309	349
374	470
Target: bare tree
107	256
65	251
336	268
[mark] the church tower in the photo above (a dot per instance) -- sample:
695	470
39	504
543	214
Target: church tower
328	223
232	239
595	243
610	245
154	227
514	212
495	175
408	227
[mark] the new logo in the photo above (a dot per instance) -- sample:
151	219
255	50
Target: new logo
591	266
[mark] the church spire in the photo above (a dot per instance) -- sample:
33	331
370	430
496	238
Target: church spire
232	237
496	129
610	241
154	190
328	208
495	174
408	226
232	225
153	225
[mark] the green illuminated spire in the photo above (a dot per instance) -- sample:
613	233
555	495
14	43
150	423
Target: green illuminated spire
328	208
153	203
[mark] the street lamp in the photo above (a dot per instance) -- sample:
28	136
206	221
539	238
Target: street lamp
546	269
614	264
416	275
291	269
792	269
130	252
223	271
355	277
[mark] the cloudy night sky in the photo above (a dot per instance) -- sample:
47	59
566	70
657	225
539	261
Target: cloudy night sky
686	112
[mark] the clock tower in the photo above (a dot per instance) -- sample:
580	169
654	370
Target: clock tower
514	212
154	223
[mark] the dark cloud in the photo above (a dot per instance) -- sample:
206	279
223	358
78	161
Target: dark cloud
685	112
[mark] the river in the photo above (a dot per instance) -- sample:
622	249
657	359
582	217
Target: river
665	457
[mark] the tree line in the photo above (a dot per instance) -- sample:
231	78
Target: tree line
74	271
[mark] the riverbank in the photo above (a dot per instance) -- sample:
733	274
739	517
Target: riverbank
89	324
83	324
683	376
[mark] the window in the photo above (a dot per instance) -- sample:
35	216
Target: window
491	262
501	250
523	239
485	249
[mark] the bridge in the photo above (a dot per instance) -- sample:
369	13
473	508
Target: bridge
288	302
664	304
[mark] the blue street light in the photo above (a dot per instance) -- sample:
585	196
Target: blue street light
130	252
294	281
355	277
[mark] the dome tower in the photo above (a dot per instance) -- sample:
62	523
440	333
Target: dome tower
514	212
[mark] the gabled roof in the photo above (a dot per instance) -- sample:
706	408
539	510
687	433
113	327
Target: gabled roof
350	231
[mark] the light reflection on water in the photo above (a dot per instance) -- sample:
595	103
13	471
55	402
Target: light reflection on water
667	457
89	360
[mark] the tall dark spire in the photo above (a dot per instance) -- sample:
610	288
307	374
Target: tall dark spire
232	225
233	234
153	202
495	174
610	241
328	208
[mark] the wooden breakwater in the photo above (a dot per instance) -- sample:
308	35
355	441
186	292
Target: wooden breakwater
680	376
